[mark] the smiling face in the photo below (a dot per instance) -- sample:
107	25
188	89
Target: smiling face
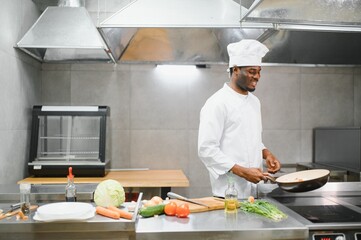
245	79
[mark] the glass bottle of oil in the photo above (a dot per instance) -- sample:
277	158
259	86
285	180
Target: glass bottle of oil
231	196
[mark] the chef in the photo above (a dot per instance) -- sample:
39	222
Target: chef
230	129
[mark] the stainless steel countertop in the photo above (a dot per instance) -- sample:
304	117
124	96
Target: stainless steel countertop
197	225
98	227
219	225
211	225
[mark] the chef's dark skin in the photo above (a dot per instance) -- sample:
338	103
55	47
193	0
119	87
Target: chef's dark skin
244	80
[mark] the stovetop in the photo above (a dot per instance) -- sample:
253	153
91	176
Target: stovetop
327	214
330	212
323	210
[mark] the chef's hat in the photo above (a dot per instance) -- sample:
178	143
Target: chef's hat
247	52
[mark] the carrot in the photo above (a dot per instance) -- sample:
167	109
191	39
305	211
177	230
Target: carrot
123	214
107	213
21	216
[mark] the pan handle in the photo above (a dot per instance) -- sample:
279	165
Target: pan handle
271	179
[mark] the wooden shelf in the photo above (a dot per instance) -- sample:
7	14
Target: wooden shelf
128	178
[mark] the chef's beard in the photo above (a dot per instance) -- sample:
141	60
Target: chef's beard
247	89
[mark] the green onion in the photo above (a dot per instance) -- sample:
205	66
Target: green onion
263	208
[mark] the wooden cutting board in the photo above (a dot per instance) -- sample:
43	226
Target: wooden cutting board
213	203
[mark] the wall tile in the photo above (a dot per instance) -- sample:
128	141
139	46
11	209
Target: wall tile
279	94
30	94
5	82
197	172
158	100
20	78
159	149
9	25
29	14
103	88
11	93
13	161
210	80
326	100
284	144
118	148
306	146
56	87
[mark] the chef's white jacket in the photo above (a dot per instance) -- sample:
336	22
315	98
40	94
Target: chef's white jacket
230	132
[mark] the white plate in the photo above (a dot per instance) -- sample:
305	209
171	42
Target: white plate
65	210
89	215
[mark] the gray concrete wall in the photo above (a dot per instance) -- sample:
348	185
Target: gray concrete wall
155	115
20	81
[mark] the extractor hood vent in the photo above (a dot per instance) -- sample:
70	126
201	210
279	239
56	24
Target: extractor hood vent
313	15
65	34
175	31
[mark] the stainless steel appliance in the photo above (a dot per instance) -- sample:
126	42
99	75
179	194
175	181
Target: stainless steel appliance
332	212
64	136
337	149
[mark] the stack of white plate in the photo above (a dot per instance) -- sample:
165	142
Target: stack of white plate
65	211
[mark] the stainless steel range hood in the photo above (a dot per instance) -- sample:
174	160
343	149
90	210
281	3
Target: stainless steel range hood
198	32
176	31
312	15
310	31
65	34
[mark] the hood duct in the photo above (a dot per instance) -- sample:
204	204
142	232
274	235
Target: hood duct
65	34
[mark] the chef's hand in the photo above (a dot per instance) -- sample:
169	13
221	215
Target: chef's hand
253	175
273	164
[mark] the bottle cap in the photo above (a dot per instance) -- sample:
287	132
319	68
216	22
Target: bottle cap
70	174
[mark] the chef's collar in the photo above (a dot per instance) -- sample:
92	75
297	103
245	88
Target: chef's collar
233	92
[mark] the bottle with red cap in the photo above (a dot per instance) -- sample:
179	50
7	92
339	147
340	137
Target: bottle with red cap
70	189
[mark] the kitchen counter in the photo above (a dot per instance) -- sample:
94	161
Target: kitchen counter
205	225
163	179
219	225
211	225
97	227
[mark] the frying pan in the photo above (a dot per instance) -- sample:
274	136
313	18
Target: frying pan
302	181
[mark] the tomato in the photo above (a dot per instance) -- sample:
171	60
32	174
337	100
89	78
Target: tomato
182	210
170	209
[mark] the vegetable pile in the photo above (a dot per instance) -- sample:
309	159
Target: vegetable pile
263	208
156	206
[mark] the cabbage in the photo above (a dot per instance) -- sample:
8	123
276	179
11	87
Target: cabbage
109	193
